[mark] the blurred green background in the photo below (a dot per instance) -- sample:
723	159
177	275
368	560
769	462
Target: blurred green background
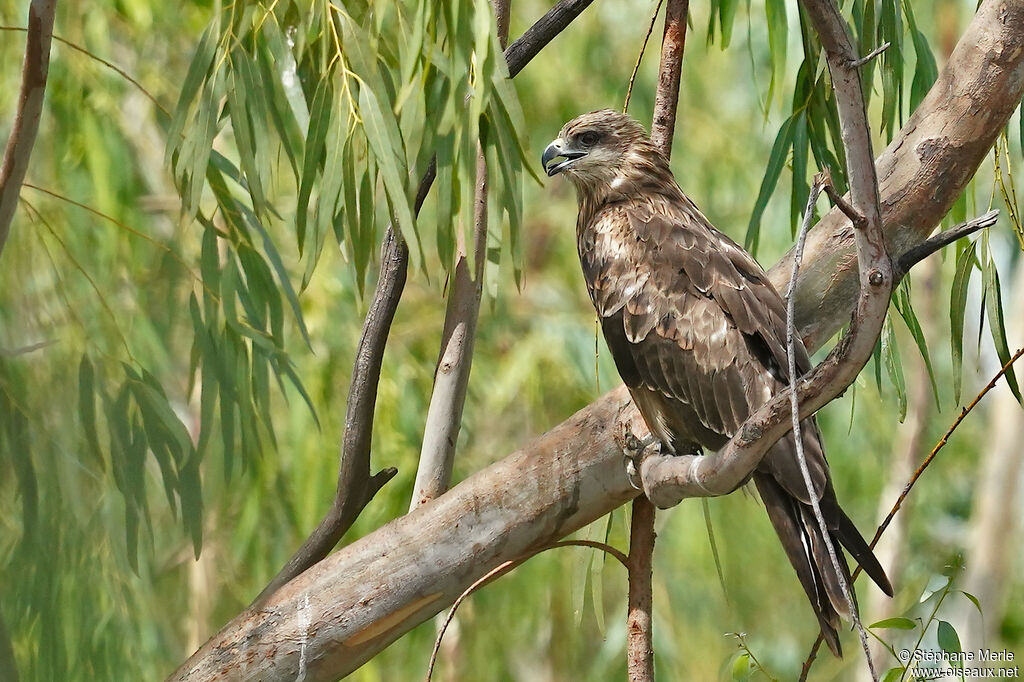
112	278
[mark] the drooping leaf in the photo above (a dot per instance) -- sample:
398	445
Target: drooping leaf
965	263
776	160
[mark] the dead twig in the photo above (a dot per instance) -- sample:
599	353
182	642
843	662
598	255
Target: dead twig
501	570
640	56
826	534
929	246
897	505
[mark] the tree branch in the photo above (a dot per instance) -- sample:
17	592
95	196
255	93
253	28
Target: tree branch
30	108
367	595
918	253
667	97
355	485
455	358
541	33
640	598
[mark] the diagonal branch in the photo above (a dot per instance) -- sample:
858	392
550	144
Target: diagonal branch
898	504
356	487
30	108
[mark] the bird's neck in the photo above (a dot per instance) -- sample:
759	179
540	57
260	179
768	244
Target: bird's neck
645	177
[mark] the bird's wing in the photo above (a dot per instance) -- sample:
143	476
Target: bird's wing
691	319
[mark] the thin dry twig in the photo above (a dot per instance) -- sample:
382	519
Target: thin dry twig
110	65
502	569
857	63
640	56
897	505
30	109
938	446
826	535
855	216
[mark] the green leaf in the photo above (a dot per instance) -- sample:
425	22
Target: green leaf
776	160
894	674
87	409
801	188
197	71
974	600
282	273
949	641
996	324
894	367
778	39
247	129
957	307
741	668
903	306
898	623
319	123
925	70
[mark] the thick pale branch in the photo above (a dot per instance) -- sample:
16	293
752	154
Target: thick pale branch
367	595
30	109
344	610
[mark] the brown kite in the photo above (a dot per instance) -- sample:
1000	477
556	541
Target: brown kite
698	334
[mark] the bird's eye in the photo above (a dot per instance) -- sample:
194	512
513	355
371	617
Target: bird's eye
589	138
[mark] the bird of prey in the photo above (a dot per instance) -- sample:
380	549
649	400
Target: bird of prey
698	334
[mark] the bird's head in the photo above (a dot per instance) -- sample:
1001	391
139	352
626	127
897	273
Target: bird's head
595	148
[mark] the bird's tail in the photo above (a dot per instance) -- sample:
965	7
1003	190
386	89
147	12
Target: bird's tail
802	539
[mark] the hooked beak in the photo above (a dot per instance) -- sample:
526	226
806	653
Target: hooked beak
558	150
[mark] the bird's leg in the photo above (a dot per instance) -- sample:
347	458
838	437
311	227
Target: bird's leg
635	449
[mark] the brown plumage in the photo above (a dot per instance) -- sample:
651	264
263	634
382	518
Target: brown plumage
698	334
